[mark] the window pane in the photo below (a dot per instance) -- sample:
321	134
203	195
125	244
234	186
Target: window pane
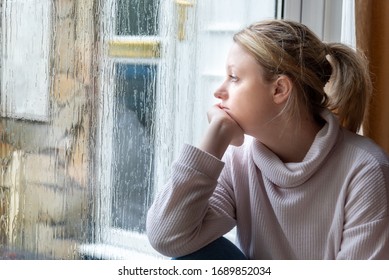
137	17
133	144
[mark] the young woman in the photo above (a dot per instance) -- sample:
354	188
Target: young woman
305	185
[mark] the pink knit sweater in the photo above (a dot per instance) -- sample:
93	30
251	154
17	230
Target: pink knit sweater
332	205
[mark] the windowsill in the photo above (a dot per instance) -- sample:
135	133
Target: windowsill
116	246
102	251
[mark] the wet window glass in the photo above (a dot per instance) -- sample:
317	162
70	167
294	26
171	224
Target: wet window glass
137	17
133	144
134	106
97	99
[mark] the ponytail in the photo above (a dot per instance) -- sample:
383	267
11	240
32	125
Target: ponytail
351	85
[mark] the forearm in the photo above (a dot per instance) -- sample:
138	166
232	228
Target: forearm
177	221
181	219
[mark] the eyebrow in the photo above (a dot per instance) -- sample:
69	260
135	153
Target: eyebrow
230	66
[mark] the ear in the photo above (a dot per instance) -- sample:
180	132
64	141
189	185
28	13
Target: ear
282	89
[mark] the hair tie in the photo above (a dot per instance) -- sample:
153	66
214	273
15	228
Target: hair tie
327	48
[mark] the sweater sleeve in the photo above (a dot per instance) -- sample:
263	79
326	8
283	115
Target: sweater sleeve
366	241
366	225
192	209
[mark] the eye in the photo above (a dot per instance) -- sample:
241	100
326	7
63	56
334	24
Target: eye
233	78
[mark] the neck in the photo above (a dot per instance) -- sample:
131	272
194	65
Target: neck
290	140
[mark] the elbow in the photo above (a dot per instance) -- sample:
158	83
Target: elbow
161	238
172	244
163	242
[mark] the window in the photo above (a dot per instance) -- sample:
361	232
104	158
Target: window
332	21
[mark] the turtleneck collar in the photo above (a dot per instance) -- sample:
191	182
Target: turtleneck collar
288	175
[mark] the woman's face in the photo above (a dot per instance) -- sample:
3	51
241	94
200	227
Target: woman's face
245	95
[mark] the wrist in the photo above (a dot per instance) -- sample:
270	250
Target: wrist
216	140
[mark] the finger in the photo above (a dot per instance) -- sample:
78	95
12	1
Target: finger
215	110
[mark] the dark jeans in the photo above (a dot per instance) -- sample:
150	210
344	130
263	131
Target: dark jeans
220	249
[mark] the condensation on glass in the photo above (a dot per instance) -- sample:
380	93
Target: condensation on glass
133	148
96	100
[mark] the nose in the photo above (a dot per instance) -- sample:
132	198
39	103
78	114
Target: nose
221	93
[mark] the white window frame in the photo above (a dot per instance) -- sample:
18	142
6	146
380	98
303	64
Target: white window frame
334	23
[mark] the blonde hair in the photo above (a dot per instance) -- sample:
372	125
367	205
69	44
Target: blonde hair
290	48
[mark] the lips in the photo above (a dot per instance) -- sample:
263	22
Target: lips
221	106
